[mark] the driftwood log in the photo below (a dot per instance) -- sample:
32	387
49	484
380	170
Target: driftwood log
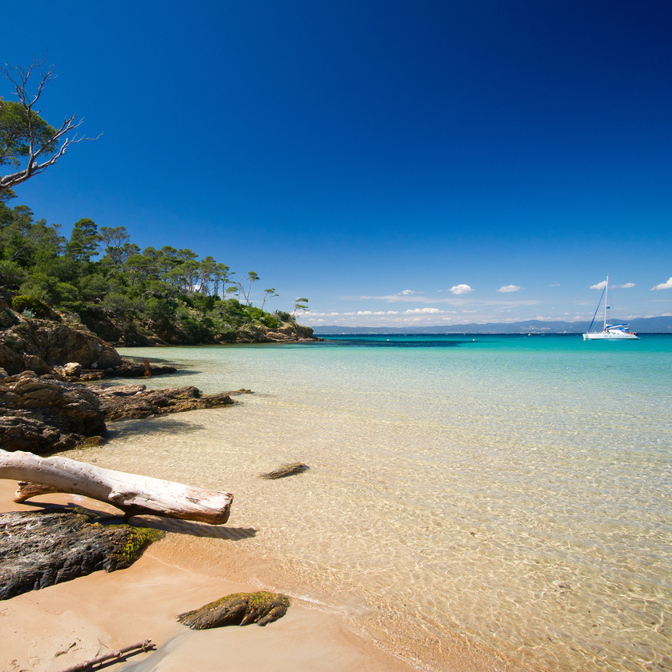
131	493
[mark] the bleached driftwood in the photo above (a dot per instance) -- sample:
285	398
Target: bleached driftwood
131	493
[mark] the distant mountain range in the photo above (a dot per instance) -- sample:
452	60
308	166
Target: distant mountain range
644	325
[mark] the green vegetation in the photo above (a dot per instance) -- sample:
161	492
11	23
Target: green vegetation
123	293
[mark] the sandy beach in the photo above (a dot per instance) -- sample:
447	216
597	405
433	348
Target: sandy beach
55	628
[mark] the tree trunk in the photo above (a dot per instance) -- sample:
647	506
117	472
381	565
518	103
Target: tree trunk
131	493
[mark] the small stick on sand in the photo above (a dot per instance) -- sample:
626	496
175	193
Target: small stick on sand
120	655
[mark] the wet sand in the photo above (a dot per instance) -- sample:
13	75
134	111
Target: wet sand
55	628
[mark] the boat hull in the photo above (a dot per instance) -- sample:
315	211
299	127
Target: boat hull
611	336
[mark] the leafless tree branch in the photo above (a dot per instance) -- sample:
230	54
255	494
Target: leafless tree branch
37	151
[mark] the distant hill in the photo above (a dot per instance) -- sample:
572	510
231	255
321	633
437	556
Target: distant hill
644	325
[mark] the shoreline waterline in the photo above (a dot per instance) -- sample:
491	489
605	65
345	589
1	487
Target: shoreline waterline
490	501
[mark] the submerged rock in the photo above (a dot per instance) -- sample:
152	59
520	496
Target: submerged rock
237	609
129	369
136	401
42	548
286	470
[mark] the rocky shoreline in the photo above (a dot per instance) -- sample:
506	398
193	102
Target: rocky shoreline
49	402
45	414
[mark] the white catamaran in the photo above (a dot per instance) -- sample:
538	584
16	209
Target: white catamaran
610	332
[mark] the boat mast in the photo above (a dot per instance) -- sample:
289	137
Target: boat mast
606	303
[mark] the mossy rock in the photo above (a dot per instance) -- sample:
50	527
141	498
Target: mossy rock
42	548
237	609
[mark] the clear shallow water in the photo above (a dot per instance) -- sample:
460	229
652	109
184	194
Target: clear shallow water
503	502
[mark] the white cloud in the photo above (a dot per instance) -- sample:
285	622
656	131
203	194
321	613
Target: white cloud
374	312
406	292
504	289
663	285
422	310
603	284
461	289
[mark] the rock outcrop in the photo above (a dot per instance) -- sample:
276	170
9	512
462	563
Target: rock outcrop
136	401
40	549
39	345
42	415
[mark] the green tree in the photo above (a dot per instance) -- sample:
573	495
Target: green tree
26	242
84	239
300	306
191	274
207	270
28	142
139	268
115	240
221	276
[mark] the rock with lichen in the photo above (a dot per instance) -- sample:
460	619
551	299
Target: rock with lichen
42	548
237	609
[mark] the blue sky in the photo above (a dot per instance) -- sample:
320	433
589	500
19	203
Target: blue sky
396	162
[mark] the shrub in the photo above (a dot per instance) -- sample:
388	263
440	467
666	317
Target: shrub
254	312
270	321
202	302
30	306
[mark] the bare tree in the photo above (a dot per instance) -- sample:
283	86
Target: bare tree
24	136
244	292
268	293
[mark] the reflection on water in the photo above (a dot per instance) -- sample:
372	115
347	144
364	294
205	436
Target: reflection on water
503	501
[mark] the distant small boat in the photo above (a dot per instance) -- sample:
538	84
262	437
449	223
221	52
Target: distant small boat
610	332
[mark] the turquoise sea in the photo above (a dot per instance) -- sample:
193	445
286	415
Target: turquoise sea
473	502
